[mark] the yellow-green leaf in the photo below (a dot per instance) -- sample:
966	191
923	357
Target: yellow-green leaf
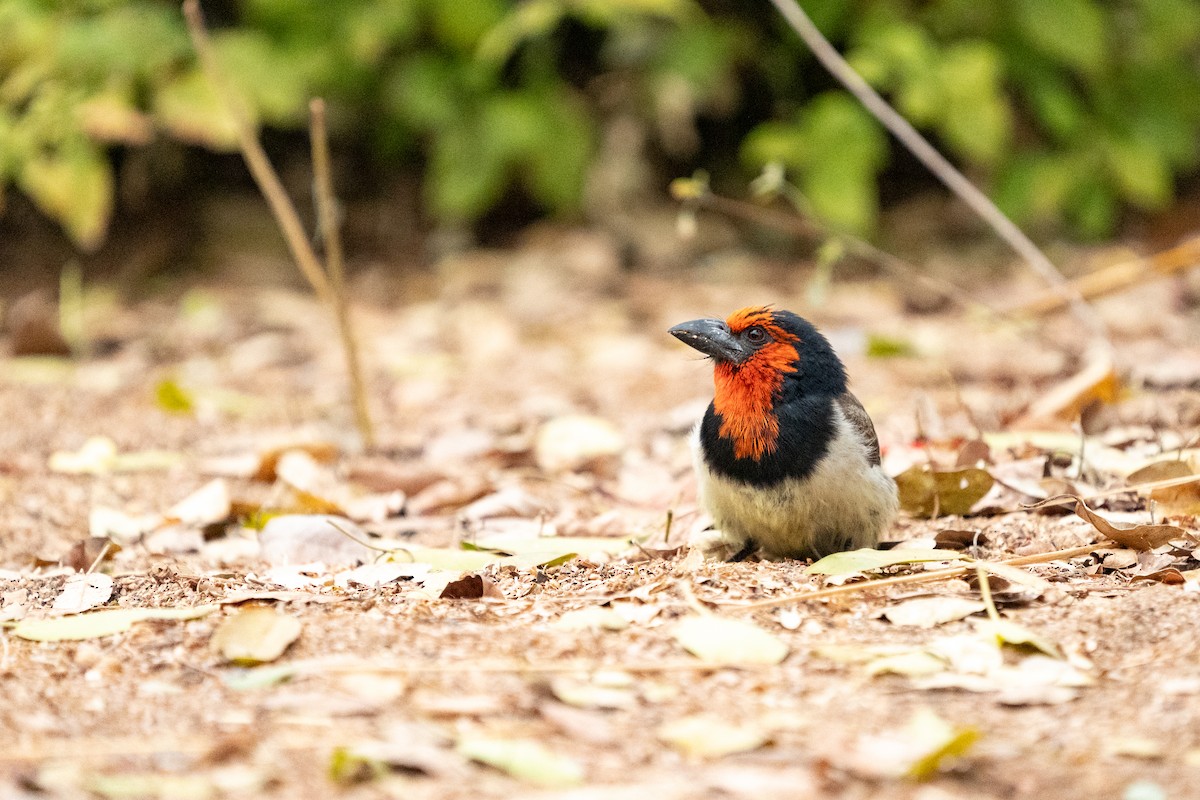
865	559
523	759
95	624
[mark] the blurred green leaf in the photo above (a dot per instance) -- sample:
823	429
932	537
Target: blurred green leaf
1140	173
1071	31
189	107
75	186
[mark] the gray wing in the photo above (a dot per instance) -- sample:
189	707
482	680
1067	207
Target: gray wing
861	423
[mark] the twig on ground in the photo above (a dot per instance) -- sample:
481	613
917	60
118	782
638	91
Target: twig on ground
918	577
1121	276
828	55
518	666
332	237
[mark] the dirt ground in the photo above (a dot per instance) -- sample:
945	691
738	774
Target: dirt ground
576	680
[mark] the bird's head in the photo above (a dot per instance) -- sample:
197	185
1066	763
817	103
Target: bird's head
762	358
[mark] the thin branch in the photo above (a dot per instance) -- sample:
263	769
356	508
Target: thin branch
828	55
1121	276
331	235
256	158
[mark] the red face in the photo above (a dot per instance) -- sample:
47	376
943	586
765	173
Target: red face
746	392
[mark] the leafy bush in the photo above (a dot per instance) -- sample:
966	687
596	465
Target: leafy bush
1068	110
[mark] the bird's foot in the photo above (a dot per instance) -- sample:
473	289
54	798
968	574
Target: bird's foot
721	546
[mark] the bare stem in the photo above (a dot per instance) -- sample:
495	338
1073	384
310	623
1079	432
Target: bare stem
332	236
256	158
828	55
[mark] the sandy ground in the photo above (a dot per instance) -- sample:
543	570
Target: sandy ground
393	691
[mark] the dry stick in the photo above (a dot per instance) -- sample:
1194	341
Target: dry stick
1119	276
331	234
919	577
256	158
828	55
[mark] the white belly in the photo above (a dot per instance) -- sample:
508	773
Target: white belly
844	504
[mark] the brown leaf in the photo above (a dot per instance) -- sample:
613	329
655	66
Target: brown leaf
974	454
32	322
951	539
471	587
1139	537
925	492
388	476
1172	500
1170	576
449	494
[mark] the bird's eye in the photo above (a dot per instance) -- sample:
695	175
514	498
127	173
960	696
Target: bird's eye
756	335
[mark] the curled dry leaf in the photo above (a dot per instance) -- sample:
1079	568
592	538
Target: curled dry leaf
1139	537
471	587
255	635
925	492
449	494
207	505
83	592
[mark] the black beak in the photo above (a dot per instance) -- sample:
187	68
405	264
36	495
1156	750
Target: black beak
713	338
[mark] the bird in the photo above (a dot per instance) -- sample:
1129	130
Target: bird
787	459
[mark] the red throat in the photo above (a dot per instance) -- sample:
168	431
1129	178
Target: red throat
746	393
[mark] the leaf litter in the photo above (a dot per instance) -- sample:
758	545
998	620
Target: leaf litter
489	670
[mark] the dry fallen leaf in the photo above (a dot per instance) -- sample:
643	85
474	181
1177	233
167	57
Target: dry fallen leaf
1171	500
83	592
578	442
594	693
94	624
471	587
925	493
920	750
1096	383
309	538
865	559
712	736
591	618
523	759
255	635
1139	537
929	612
207	505
723	640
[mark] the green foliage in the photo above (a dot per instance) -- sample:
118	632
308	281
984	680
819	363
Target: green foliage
1068	111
